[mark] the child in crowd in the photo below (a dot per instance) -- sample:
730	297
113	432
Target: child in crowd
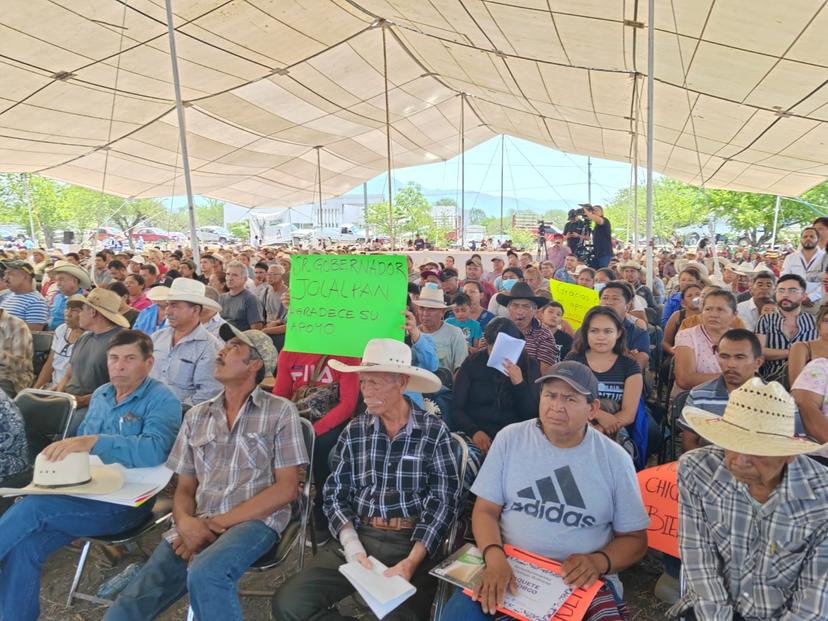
462	319
551	316
766	307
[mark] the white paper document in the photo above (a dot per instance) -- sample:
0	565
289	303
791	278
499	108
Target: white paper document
540	592
382	594
140	484
505	348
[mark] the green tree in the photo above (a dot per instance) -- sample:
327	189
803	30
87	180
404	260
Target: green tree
209	212
475	215
411	214
240	229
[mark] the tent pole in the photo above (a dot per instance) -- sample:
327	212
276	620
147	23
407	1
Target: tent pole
388	137
182	135
650	76
635	192
502	150
319	179
589	180
28	195
365	208
775	220
462	170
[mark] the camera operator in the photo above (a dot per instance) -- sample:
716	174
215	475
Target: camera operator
601	235
576	231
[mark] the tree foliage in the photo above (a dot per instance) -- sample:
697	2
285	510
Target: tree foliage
412	215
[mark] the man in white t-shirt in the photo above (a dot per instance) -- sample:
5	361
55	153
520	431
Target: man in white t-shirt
557	488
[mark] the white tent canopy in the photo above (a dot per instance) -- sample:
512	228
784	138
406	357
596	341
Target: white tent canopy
740	89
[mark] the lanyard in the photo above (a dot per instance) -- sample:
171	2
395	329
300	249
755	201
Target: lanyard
807	267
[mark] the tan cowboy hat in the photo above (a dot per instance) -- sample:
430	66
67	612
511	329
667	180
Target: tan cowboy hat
106	302
432	297
631	265
186	290
71	475
159	293
75	271
390	356
759	419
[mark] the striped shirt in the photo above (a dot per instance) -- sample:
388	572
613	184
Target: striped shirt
31	307
771	326
761	561
233	465
16	351
541	344
412	476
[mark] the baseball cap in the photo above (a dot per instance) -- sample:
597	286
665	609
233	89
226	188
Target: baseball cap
576	374
500	259
448	273
255	339
17	264
427	273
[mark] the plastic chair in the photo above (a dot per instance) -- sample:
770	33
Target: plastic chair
295	533
46	416
669	426
41	346
461	456
161	514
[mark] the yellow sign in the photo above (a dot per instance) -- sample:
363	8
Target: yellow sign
575	299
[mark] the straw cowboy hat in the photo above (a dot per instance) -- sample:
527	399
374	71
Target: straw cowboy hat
758	420
631	265
75	271
184	290
106	302
521	291
390	356
432	297
71	475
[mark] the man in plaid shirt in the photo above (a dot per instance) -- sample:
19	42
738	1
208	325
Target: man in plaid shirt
753	523
237	457
392	493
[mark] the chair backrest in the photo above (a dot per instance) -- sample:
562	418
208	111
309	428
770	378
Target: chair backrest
46	415
42	341
679	401
461	458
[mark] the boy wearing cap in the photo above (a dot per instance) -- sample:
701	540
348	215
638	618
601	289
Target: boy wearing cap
24	301
753	513
237	457
558	488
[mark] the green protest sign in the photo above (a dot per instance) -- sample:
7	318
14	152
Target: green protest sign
575	299
340	302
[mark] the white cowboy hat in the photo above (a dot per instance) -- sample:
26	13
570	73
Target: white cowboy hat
390	356
184	290
137	259
71	475
75	271
759	419
631	265
432	297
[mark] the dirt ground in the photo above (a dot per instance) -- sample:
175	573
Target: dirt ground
59	570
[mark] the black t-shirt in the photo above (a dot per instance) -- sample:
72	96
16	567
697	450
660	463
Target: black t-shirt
602	239
564	341
611	382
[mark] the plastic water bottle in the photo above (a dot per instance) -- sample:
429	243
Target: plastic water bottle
118	582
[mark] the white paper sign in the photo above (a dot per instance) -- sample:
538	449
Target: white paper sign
505	348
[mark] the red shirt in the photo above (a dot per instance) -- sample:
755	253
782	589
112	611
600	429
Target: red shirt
295	369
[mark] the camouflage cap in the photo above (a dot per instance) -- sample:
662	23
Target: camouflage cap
255	339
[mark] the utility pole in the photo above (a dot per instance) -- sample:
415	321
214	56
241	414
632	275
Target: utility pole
502	152
589	180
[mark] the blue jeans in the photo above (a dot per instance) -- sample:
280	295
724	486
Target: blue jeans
602	261
36	526
211	579
461	606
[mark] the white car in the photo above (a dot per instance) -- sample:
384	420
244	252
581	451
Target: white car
215	234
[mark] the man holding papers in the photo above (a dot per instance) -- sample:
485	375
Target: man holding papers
391	495
132	421
555	487
237	457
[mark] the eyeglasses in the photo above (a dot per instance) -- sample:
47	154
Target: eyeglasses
790	291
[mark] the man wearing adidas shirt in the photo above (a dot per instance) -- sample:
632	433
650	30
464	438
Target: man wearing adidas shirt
558	488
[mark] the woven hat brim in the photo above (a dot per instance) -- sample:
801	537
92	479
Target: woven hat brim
419	380
192	299
105	480
430	304
80	274
718	431
115	318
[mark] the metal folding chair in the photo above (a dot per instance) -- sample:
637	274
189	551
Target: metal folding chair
461	456
295	533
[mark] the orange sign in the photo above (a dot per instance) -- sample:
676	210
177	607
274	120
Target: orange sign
659	490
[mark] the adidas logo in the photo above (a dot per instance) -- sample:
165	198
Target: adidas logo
554	495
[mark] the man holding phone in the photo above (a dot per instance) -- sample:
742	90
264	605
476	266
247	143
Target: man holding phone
601	235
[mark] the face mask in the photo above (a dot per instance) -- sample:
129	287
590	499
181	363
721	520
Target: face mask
508	284
599	286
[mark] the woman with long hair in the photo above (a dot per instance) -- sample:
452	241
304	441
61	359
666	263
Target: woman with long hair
689	308
803	352
484	399
600	344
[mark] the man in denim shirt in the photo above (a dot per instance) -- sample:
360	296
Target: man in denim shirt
133	420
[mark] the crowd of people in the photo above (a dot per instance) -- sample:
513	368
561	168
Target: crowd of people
177	363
